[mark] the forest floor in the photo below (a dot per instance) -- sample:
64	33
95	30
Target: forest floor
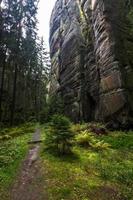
92	173
29	172
21	174
30	182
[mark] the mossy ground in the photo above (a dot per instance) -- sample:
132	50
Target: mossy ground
12	151
87	174
91	174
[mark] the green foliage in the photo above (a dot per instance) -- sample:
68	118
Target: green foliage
11	154
77	128
120	140
59	137
60	122
97	175
54	105
24	63
87	139
44	114
9	133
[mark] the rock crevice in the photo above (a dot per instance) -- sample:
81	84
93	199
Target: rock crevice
91	68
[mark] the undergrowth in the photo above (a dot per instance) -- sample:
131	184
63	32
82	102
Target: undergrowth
10	133
90	174
12	152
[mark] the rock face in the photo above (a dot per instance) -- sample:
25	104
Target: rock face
92	59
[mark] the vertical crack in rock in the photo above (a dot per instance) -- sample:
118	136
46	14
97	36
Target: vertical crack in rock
92	66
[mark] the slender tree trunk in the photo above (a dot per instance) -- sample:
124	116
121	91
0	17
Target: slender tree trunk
14	96
2	87
36	103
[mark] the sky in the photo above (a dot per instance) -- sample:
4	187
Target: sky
44	13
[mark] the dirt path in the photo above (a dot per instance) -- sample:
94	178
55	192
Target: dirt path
30	184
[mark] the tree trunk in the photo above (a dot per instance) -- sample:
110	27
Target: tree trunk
2	87
36	99
14	96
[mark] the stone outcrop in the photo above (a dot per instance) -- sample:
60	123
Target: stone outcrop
92	59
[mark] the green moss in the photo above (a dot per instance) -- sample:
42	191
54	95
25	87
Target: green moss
92	174
10	133
12	152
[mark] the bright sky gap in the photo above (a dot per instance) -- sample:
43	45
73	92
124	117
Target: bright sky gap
44	14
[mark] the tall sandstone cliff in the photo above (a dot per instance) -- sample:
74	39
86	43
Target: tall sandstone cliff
91	45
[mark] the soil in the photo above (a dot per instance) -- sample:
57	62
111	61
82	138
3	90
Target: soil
30	183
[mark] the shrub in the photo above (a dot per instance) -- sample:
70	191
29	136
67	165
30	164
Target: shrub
77	128
54	105
100	145
59	137
86	139
9	133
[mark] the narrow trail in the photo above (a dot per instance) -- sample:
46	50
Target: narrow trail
30	184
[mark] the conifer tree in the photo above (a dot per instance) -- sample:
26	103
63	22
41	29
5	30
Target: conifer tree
24	62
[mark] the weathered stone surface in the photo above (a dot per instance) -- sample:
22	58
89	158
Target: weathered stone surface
90	66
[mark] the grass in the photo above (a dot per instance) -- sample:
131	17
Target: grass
12	152
91	174
10	133
87	174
